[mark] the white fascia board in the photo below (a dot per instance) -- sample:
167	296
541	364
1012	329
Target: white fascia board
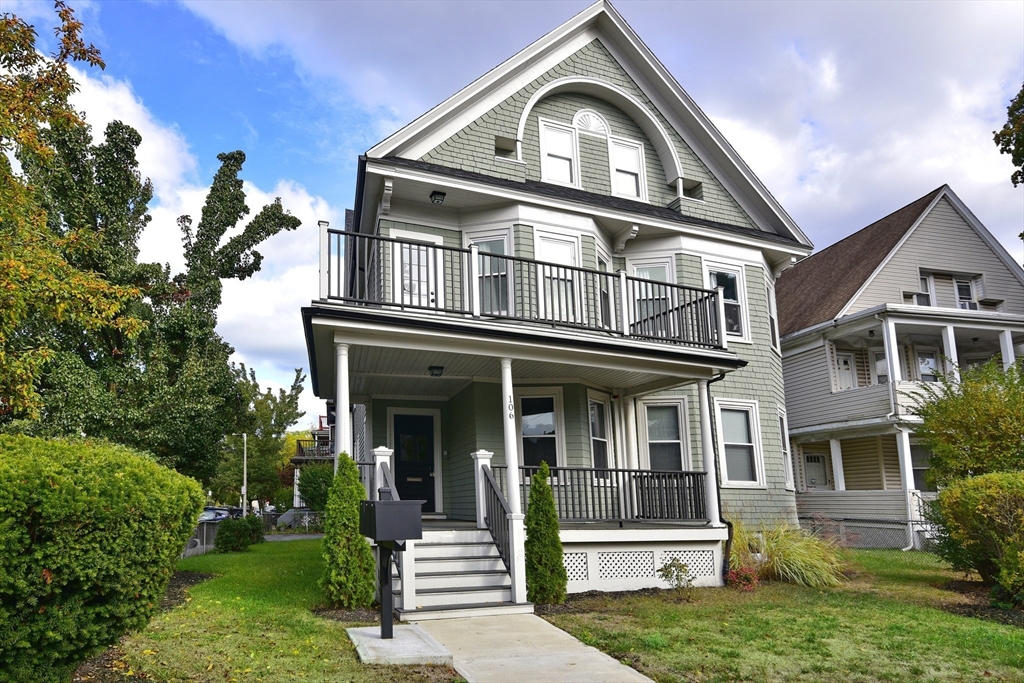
889	256
983	232
615	357
645	68
924	315
383	168
455	113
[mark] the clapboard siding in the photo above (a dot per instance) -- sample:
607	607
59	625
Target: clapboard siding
864	504
942	242
811	401
862	466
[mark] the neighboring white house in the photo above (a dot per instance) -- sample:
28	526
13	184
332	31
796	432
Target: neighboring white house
559	263
922	292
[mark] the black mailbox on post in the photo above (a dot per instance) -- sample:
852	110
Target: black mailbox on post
389	523
391	520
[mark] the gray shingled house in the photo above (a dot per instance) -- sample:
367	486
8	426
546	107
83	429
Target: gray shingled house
922	292
564	262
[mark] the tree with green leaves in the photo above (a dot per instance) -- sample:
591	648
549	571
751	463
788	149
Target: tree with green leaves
45	279
546	578
1010	138
266	422
974	425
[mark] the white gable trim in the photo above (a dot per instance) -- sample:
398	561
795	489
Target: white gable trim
620	98
987	237
889	256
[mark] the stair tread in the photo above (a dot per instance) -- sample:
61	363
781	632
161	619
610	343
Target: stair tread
454	589
468	605
452	558
468	572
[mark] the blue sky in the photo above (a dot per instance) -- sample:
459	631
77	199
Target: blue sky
846	111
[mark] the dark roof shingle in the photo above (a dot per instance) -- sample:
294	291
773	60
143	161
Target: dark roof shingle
817	288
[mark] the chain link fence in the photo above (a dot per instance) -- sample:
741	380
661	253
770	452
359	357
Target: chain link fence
873	533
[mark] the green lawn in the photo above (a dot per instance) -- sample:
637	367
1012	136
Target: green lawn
253	623
883	625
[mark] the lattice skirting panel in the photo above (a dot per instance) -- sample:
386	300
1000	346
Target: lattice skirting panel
632	566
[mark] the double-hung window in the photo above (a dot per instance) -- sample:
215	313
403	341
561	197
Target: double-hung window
540	425
599	450
740	443
665	436
651	314
730	279
924	297
928	365
559	159
628	169
965	295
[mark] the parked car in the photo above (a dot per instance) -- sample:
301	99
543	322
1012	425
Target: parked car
213	513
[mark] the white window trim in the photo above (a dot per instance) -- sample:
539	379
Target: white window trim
974	292
639	146
931	290
668	261
606	401
518	393
755	428
939	369
787	452
741	284
773	317
585	131
872	362
684	429
542	123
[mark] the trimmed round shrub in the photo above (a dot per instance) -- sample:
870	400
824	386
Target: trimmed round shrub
546	578
236	534
315	483
348	579
90	534
981	527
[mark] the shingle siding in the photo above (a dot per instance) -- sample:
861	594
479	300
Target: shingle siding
472	148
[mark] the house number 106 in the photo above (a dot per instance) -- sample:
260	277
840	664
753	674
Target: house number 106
511	409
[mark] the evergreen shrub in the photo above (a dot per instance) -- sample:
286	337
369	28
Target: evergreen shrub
982	529
315	483
90	534
236	534
546	578
348	579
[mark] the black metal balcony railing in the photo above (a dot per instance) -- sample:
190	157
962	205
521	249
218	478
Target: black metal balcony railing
369	270
309	448
592	494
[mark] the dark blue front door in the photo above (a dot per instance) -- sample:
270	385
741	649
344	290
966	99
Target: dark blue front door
414	458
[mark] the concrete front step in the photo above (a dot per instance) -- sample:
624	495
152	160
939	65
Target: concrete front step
478	609
436	597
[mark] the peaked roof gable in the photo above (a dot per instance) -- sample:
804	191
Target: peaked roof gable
820	287
599	21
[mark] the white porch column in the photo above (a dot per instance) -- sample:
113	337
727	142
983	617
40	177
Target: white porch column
296	499
343	405
481	458
906	464
381	455
632	458
517	541
838	475
707	450
892	350
511	437
1006	348
949	349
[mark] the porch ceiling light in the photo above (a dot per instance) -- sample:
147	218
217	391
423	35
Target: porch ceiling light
437	197
436	370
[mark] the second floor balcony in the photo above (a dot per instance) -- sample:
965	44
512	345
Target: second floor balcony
405	275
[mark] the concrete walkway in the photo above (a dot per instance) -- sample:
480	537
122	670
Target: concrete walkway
524	647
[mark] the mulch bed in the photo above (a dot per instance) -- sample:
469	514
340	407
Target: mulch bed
978	605
360	615
109	666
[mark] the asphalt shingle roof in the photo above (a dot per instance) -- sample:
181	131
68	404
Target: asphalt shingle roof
817	288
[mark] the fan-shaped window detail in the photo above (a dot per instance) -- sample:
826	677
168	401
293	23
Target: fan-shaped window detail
589	121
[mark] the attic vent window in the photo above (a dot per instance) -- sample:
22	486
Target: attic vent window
590	122
693	189
504	147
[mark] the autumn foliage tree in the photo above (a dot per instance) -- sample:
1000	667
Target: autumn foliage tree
38	280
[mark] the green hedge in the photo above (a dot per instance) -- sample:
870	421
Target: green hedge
89	536
348	579
236	534
315	484
981	523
